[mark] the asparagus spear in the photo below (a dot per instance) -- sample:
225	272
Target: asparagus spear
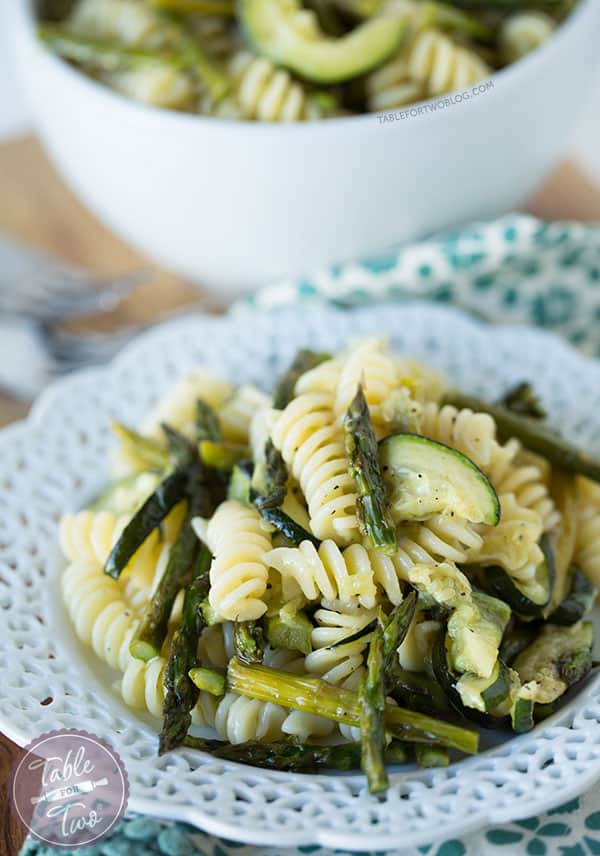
371	697
222	456
248	641
431	756
208	680
102	54
304	361
207	423
445	16
394	633
314	695
180	692
201	7
151	633
171	491
523	399
535	437
288	527
373	514
148	451
269	481
292	757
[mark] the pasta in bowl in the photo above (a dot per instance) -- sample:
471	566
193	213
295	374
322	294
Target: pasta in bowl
271	60
342	573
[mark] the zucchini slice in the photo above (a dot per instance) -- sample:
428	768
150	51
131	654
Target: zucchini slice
528	599
578	603
481	700
475	631
557	659
289	35
424	477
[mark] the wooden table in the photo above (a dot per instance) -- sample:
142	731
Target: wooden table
36	206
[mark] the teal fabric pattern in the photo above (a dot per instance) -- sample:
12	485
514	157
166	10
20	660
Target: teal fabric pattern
516	270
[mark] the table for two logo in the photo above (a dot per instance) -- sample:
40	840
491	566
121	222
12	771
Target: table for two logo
69	789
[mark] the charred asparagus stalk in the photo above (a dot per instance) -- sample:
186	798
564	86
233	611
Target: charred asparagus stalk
304	361
150	453
523	399
314	695
171	491
293	757
431	756
394	633
200	7
151	633
372	510
371	697
248	641
180	692
207	423
222	456
534	436
269	481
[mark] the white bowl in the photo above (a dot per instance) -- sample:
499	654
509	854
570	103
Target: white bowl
232	205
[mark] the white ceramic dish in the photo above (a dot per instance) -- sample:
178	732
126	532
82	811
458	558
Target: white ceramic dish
233	205
57	461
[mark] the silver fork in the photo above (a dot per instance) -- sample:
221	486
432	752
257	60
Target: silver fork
35	285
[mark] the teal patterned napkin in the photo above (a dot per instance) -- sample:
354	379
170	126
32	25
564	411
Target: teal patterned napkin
516	270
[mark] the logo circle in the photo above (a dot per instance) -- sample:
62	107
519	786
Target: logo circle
69	789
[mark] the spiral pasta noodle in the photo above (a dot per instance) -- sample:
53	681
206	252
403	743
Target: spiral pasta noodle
313	448
239	543
238	411
178	406
391	86
268	93
330	658
128	21
587	546
441	65
100	616
524	32
157	85
526	483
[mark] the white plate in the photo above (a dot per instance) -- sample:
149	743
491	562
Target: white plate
57	460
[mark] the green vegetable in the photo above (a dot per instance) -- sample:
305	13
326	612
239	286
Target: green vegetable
372	511
533	435
151	454
207	423
248	641
578	603
530	598
417	691
431	756
294	757
269	480
208	680
371	697
549	6
293	632
180	693
171	491
477	699
564	493
222	456
273	27
516	638
314	695
558	658
424	477
295	533
446	17
394	634
240	482
101	54
522	399
303	362
151	633
475	631
223	8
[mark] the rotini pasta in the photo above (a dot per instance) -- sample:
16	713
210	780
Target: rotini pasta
317	586
313	448
128	21
239	543
157	85
441	65
524	32
268	93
